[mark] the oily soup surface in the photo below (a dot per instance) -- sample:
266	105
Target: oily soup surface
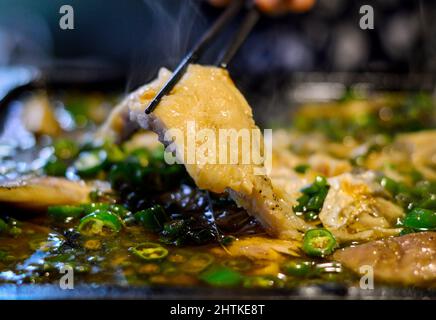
360	171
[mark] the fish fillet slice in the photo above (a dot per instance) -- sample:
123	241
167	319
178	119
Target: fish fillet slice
409	259
209	97
42	192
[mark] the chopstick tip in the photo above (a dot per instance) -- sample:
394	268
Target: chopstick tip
151	106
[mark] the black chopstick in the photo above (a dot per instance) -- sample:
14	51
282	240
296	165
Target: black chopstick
196	52
249	22
194	55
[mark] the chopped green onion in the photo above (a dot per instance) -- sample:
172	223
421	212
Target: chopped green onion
318	242
301	168
312	199
55	167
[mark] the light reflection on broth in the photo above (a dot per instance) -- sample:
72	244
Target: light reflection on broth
155	227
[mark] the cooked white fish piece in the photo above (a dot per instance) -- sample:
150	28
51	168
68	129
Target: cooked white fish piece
209	97
285	180
421	149
409	259
142	139
38	115
42	192
265	252
412	150
327	165
263	248
355	209
318	159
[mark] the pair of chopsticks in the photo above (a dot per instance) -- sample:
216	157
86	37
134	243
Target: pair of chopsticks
251	17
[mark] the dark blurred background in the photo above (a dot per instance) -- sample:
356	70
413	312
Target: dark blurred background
133	38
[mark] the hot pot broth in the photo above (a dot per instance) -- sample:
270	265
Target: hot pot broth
148	224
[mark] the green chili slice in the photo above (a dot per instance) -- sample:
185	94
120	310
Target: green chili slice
100	223
149	251
298	268
65	148
227	240
65	212
319	242
197	263
90	162
390	185
429	202
220	276
119	210
92	207
238	264
259	282
420	219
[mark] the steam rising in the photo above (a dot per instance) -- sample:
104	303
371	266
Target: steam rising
176	25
